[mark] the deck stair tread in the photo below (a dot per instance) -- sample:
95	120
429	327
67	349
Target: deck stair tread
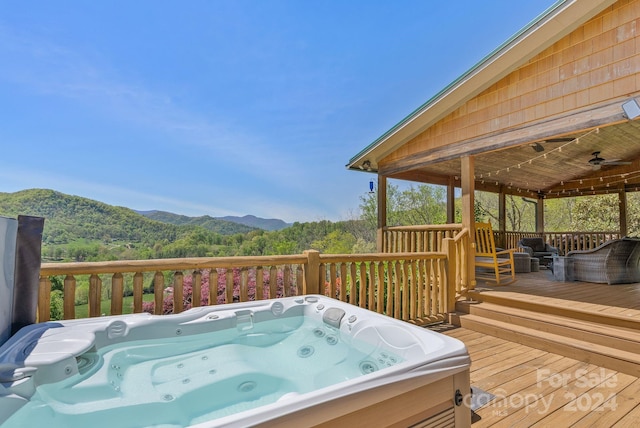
605	356
553	306
608	340
558	324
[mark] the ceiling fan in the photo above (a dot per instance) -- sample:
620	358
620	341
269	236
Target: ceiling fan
540	148
597	162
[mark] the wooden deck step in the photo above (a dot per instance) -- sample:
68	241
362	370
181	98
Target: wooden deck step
605	339
605	356
560	307
602	334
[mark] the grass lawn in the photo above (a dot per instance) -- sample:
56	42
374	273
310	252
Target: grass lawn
82	311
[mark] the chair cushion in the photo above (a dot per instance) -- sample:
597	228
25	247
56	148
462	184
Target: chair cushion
536	244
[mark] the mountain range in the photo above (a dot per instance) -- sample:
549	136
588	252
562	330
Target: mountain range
69	218
214	223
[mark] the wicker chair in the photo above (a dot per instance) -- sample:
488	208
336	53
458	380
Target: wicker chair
614	262
536	247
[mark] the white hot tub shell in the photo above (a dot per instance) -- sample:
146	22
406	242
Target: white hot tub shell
71	373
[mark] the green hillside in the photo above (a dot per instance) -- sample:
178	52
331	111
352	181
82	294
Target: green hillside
78	228
81	229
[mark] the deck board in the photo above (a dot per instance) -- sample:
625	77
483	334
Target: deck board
562	391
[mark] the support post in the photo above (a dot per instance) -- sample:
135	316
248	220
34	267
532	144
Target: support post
382	212
502	218
467	181
622	202
449	248
540	215
451	201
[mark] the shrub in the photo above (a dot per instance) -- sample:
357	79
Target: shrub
167	304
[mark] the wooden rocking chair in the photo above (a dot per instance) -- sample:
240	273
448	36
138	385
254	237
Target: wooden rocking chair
492	263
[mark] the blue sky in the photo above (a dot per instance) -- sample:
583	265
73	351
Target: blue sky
217	107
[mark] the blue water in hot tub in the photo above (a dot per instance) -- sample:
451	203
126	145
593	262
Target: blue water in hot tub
182	381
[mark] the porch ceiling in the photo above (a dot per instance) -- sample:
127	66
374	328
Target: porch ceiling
562	169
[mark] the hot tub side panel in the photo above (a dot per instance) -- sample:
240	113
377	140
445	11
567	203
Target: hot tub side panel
414	402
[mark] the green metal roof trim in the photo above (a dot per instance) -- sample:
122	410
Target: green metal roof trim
534	23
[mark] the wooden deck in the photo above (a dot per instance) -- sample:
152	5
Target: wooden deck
554	353
539	388
617	300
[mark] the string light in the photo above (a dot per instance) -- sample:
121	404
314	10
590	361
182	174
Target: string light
590	186
544	155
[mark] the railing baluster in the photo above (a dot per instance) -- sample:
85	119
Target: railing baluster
69	297
138	288
196	288
158	293
273	281
371	287
332	280
362	292
228	290
260	292
213	286
95	294
411	275
343	282
380	289
353	288
388	287
420	285
178	292
244	285
396	290
405	290
117	293
434	289
299	279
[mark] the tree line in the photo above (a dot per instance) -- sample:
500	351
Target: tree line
79	229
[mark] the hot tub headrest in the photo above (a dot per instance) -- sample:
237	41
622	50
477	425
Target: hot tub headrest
333	316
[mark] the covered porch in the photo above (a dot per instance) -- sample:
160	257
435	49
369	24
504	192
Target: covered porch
552	113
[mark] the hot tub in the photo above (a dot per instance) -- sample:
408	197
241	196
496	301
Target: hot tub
299	361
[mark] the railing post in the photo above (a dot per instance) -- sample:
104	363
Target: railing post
44	299
312	272
452	277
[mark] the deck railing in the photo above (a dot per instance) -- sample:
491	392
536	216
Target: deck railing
563	241
570	241
419	287
416	239
458	251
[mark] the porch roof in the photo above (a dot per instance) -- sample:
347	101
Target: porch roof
505	157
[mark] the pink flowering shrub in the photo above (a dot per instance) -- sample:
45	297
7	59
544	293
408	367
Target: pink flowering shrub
220	297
